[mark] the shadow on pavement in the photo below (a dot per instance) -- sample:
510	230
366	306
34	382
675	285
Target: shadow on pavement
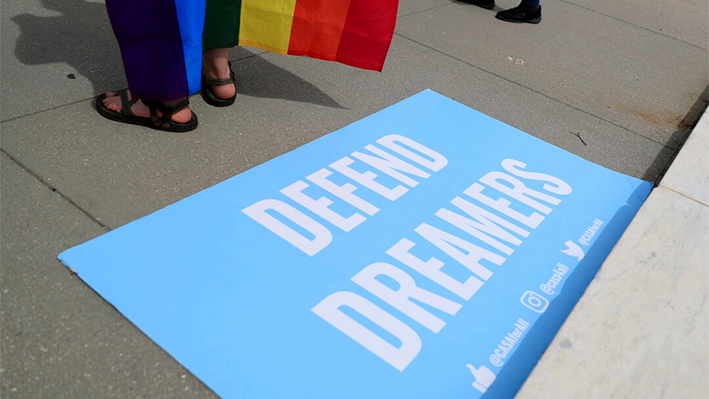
82	38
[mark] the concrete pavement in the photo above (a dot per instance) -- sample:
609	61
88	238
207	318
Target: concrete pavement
617	82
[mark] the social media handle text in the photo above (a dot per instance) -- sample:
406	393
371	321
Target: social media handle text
508	343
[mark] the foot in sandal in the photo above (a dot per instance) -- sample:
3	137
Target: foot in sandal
218	81
173	116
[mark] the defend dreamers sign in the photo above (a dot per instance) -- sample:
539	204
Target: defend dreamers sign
427	251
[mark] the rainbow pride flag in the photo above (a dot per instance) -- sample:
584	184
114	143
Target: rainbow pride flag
162	41
353	32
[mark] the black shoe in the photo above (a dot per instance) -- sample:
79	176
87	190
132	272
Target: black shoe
486	4
521	13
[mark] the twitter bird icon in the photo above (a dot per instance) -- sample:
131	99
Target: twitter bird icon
573	250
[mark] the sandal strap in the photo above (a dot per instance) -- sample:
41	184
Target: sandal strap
182	104
167	111
222	82
126	103
219	82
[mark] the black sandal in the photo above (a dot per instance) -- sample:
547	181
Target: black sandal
208	90
164	122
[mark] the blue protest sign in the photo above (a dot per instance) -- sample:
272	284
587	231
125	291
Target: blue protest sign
426	251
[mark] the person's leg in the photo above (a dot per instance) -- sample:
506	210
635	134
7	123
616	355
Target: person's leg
160	44
221	33
528	11
216	65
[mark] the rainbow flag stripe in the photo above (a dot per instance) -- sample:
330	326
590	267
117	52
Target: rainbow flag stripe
162	41
353	32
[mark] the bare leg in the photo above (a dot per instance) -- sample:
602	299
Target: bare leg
215	64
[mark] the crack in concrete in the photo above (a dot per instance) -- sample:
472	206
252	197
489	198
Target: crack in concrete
55	190
632	24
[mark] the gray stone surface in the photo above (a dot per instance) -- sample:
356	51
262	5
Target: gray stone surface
59	338
616	71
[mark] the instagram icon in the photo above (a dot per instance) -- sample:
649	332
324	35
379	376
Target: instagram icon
534	301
